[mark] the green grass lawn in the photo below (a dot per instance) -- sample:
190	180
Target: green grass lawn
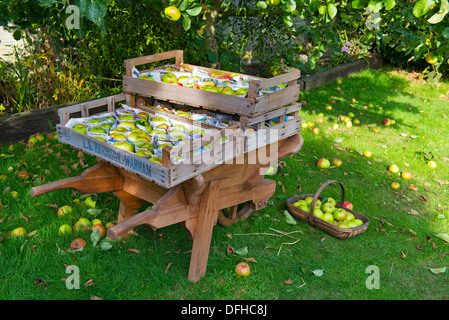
401	243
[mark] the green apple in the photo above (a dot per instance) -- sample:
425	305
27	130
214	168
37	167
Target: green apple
65	229
124	145
328	207
196	131
80	127
107	126
158	119
340	214
318	213
157	160
126	117
207	83
323	163
169	78
98	129
300	203
147	145
119	129
349	216
96	221
308	200
144	153
78	227
183	79
146	77
172	13
117	135
241	91
216	74
62	211
328	217
90	202
331	201
228	91
127	124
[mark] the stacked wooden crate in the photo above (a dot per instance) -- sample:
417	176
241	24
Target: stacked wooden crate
258	120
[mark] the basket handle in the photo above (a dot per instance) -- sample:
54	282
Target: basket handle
317	194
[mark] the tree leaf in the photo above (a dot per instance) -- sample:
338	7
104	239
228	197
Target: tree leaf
95	237
186	22
262	4
375	5
193	12
439	16
390	4
332	10
422	7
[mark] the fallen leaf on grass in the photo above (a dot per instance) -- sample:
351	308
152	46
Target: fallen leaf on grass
288	218
288	282
414	212
89	283
134	250
443	236
438	270
242	251
318	272
230	250
251	259
168	267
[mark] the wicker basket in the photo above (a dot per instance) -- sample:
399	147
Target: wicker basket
340	233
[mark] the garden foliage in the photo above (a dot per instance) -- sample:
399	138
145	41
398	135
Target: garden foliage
64	64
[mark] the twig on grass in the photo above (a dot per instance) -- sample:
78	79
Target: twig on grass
286	243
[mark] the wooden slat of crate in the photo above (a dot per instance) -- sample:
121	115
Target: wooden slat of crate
277	132
287	110
85	107
121	158
211	100
188	96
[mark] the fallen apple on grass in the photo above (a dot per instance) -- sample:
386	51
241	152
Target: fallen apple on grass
337	162
393	168
242	269
432	164
348	205
100	228
323	163
64	230
17	232
64	210
78	244
406	175
395	185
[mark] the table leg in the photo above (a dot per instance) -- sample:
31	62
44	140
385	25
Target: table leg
205	221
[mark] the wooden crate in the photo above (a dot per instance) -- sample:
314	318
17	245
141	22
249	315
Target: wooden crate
250	106
167	174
